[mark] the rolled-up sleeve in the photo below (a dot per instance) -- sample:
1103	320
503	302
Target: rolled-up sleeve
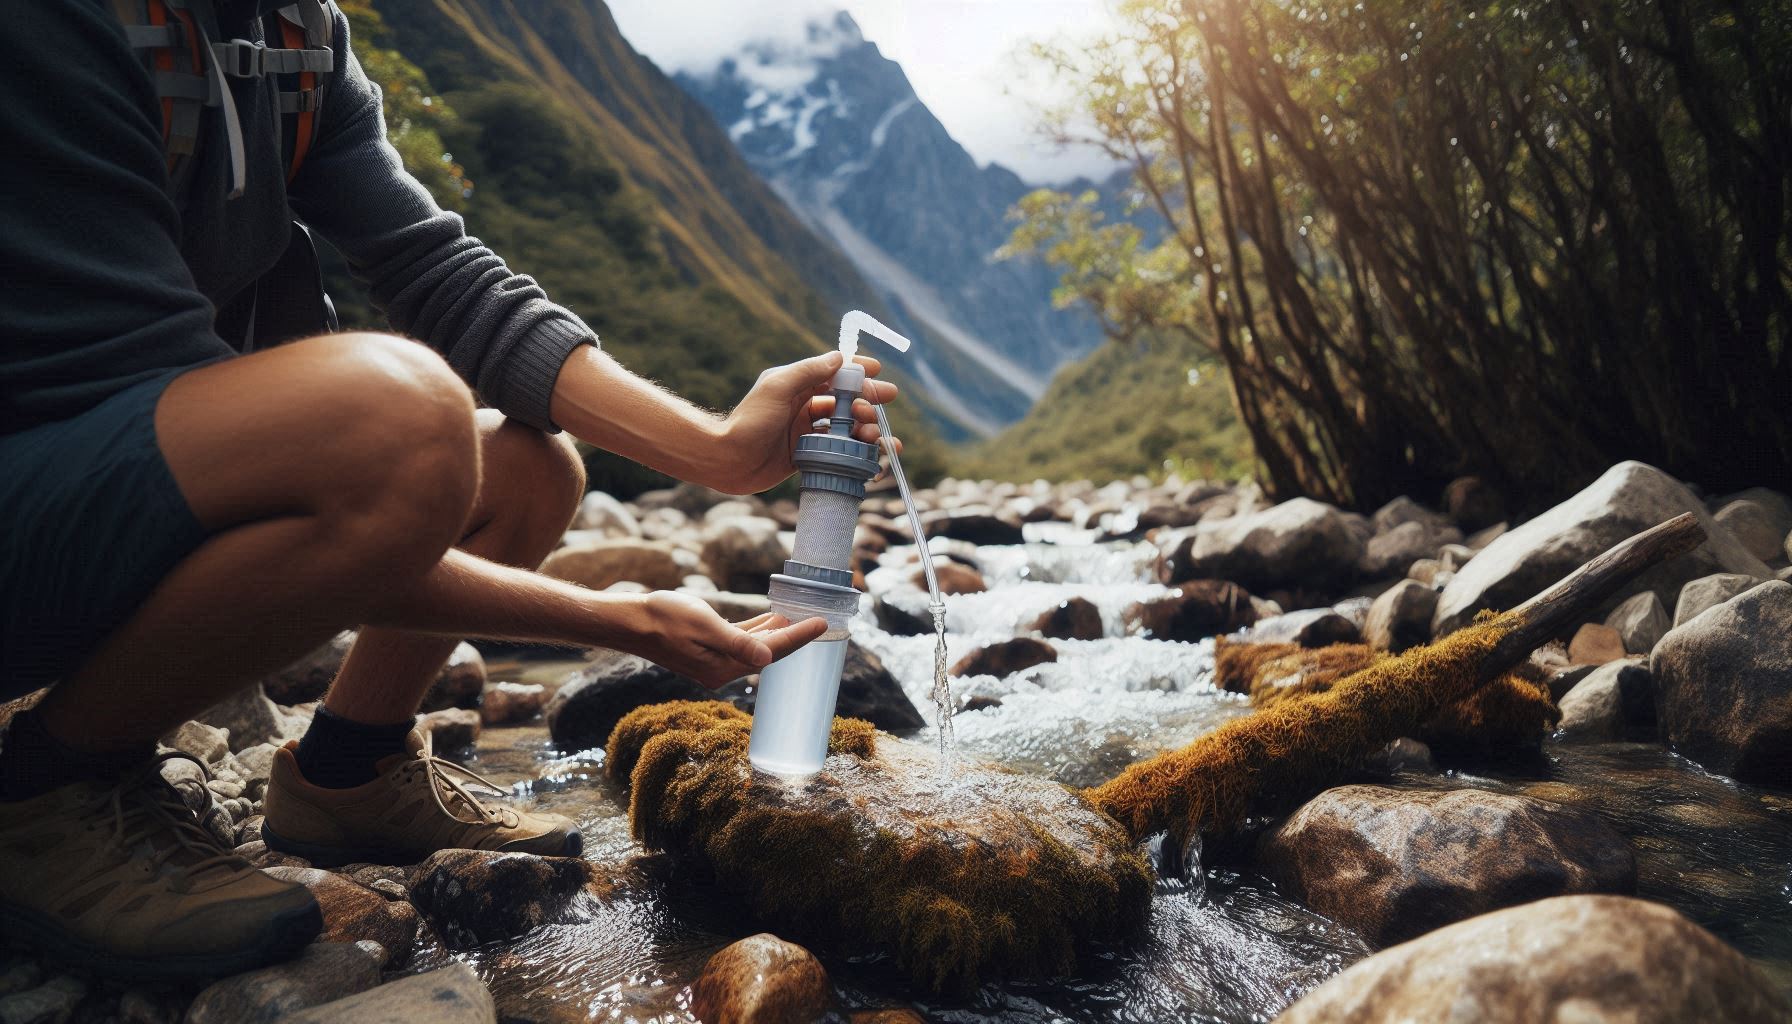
431	279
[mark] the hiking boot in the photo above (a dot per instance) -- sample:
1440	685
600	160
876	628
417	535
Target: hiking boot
122	880
419	804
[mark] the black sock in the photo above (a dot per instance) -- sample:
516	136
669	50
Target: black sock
33	762
336	753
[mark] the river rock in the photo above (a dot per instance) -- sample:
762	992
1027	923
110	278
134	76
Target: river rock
761	980
741	552
506	703
1760	519
206	742
475	896
1595	644
1401	617
590	703
1709	592
1006	657
1615	700
1395	864
458	685
1723	686
50	1003
251	719
1389	553
447	995
1473	504
451	728
609	517
1629	498
653	564
324	972
952	577
1641	622
1195	610
1309	627
353	912
1299	542
977	525
1074	618
1567	960
902	611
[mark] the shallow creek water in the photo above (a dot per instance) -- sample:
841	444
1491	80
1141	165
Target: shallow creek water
1228	948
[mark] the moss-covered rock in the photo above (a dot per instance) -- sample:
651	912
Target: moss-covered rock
964	876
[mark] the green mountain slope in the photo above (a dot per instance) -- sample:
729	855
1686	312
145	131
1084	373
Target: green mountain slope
595	173
1141	405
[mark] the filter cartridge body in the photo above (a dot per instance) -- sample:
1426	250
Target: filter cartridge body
794	712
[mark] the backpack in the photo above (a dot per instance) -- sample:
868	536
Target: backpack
190	68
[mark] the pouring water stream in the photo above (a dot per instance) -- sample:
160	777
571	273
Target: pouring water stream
936	605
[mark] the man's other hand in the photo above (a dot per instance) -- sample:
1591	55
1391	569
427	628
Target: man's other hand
758	437
684	634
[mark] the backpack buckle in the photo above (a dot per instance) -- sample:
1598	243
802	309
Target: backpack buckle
240	58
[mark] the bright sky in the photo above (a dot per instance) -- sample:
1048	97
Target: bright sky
965	57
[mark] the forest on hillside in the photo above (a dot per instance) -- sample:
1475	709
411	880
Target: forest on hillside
1520	240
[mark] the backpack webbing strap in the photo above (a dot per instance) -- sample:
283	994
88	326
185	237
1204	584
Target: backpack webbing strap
305	27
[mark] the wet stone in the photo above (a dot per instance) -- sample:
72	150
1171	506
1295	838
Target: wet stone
1005	658
474	896
324	972
1193	611
353	912
761	980
1395	864
1723	686
451	728
1615	701
1310	627
1595	644
505	703
1074	618
1401	617
1586	959
1709	592
449	995
1641	622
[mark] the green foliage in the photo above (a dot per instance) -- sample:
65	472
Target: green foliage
415	116
1151	404
1395	223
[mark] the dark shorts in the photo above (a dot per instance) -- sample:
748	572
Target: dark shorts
90	521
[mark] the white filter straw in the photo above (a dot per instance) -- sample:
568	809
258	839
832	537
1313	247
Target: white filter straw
859	320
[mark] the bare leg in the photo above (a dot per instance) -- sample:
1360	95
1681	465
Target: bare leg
331	470
529	488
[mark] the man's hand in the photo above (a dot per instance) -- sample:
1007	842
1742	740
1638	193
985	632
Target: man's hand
684	634
758	437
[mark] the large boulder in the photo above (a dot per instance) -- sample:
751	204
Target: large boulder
1196	609
1723	686
1709	592
1400	617
742	552
1405	532
1395	864
1568	960
1629	498
1614	701
590	703
655	565
1641	622
1300	542
976	525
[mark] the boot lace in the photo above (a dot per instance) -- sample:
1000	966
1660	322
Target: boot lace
147	814
447	782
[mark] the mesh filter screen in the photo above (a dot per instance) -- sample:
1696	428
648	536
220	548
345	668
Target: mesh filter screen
824	525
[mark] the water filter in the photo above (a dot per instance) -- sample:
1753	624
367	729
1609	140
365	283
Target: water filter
794	712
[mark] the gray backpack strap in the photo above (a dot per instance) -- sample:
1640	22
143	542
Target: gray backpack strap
170	39
312	24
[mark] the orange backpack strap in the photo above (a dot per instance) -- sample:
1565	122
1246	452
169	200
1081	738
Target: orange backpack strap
171	41
306	27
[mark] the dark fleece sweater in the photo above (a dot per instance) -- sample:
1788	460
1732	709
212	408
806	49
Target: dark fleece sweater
104	284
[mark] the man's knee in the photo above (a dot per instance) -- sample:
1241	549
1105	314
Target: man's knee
536	478
412	433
